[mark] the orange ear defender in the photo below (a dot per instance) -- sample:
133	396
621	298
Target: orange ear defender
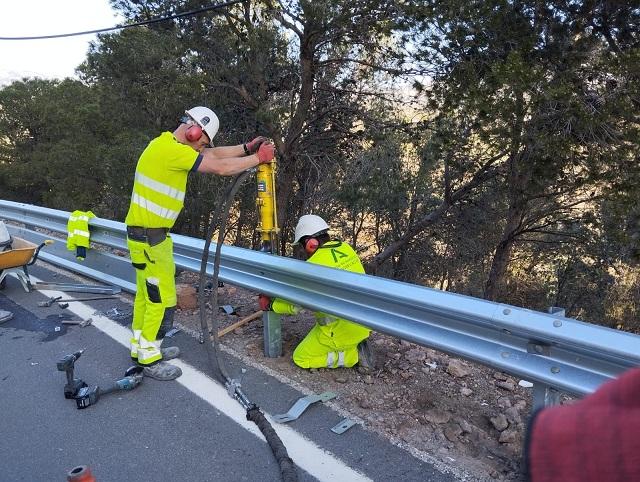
194	132
311	246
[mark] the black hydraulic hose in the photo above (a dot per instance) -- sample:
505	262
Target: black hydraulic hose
212	341
213	346
287	467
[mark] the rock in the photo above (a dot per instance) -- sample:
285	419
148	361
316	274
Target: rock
508	436
466	391
513	415
437	416
405	374
364	403
187	298
457	369
506	386
465	426
452	431
368	379
341	379
415	355
238	331
521	405
499	376
504	402
499	422
405	343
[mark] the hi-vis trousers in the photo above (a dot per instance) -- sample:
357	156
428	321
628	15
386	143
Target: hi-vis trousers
330	346
155	302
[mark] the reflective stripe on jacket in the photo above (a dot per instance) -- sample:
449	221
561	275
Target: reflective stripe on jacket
78	229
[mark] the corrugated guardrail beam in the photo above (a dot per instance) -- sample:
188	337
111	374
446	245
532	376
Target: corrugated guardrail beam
546	349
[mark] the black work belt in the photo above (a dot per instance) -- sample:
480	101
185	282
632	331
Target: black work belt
151	236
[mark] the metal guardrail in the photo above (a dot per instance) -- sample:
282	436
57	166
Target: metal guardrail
553	352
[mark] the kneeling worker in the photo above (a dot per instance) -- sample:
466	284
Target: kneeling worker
333	342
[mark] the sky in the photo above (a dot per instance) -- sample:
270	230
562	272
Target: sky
50	58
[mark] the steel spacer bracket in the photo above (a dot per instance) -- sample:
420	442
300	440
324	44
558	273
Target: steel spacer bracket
301	405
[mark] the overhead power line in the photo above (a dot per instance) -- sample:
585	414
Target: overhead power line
137	24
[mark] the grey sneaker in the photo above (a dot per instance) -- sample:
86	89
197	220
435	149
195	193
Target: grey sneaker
162	371
170	352
365	355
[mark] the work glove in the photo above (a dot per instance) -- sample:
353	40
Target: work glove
266	152
252	146
264	302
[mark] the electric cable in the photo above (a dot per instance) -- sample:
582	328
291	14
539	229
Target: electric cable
136	24
212	341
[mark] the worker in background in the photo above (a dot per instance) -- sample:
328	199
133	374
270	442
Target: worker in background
158	197
333	342
596	439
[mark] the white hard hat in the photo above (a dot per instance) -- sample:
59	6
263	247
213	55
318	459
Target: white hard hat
206	119
309	225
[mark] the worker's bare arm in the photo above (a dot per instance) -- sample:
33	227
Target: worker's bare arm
228	151
225	166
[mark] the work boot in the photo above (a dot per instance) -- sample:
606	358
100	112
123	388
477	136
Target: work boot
365	355
162	371
170	352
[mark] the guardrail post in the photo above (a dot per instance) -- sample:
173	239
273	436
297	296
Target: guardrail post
546	395
272	329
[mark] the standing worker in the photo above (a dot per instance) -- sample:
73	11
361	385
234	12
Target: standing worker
333	342
157	199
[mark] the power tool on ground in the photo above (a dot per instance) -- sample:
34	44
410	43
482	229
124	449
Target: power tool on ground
73	385
86	395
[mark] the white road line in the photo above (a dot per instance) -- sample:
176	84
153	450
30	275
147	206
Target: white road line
305	453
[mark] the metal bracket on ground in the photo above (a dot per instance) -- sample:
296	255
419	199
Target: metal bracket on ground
80	288
301	405
343	426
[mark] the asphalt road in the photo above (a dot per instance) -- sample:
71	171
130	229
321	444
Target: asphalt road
185	430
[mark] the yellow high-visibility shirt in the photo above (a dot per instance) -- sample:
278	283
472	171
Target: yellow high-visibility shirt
161	182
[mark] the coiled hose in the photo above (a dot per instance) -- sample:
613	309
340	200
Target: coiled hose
212	341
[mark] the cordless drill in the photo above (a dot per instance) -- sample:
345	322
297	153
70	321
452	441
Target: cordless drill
73	385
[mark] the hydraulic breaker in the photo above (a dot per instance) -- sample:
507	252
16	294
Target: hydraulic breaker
266	203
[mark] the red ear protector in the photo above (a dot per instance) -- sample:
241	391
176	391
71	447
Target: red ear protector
311	246
194	132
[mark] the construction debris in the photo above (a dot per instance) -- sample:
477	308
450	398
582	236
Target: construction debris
81	323
5	316
80	288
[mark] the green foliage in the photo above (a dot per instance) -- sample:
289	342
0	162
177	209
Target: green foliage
483	147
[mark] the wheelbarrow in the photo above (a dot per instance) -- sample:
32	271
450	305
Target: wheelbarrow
15	260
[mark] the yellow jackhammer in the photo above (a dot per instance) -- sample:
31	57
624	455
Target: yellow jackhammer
266	203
